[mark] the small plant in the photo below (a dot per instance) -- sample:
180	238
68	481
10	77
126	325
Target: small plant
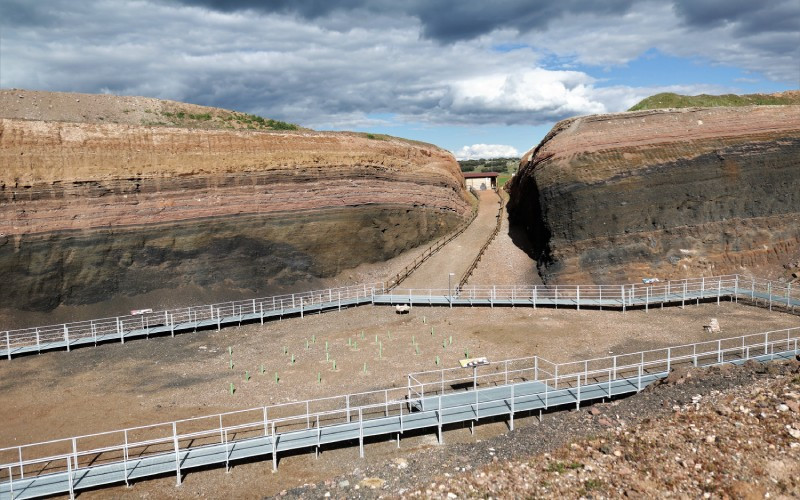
285	350
230	364
231	389
416	348
376	338
230	351
466	353
437	360
277	378
444	344
327	356
319	377
262	370
362	334
306	344
349	341
326	346
413	340
355	345
450	342
313	339
292	358
562	467
334	365
365	367
246	376
423	320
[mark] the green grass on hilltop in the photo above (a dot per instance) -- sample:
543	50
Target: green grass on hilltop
670	100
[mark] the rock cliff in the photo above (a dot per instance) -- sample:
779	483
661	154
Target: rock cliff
89	211
664	193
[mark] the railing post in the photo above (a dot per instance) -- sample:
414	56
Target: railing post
274	449
512	407
639	382
69	479
360	433
683	299
719	289
719	351
66	336
736	289
439	420
788	295
261	311
535	293
578	398
622	295
8	345
615	368
647	299
769	293
578	293
125	457
669	356
347	401
177	455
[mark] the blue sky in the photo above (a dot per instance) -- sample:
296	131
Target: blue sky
477	78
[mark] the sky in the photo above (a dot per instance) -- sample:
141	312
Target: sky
479	78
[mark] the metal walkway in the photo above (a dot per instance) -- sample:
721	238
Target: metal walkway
190	319
431	400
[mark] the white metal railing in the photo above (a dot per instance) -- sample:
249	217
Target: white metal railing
619	296
124	445
117	327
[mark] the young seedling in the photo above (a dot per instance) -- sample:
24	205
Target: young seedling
413	340
230	351
355	345
376	338
417	349
362	334
423	320
365	367
349	341
326	346
334	365
306	344
231	389
262	369
437	360
327	356
292	358
466	353
313	339
246	376
444	344
285	350
277	379
380	350
230	364
319	378
451	340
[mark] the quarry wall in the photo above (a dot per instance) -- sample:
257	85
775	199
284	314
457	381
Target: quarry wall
663	193
89	210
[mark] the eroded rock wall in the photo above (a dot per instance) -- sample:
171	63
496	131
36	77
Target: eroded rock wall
666	193
90	211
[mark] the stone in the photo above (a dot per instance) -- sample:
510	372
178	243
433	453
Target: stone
344	484
614	198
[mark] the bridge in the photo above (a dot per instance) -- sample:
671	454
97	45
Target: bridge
427	401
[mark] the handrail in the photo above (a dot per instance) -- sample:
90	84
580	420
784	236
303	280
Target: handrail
474	264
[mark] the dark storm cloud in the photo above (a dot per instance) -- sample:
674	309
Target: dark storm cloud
441	20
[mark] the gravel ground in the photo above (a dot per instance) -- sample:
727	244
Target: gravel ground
506	261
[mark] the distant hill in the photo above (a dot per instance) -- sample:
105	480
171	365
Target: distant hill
670	100
131	110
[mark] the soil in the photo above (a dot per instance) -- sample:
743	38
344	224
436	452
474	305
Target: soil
90	390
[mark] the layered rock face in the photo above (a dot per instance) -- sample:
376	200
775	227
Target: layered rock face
663	193
89	211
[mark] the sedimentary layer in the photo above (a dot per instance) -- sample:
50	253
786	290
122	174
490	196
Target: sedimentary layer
91	210
662	193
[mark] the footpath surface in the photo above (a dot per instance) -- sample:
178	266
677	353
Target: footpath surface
457	256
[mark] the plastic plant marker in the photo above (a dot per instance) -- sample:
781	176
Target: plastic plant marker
262	369
380	350
277	379
246	376
362	334
306	344
413	340
451	340
326	346
230	351
365	367
466	353
327	356
423	320
313	339
355	345
334	365
230	364
376	338
437	360
417	349
292	358
444	344
231	389
319	378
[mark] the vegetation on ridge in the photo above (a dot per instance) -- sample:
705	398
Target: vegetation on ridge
670	100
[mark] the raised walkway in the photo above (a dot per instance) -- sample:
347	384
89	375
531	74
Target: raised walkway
190	319
430	400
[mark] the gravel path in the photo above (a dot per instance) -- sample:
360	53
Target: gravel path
457	255
506	261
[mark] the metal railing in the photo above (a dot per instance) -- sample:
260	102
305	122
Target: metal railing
486	244
226	429
434	247
170	319
734	287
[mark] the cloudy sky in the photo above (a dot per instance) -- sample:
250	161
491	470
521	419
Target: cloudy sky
480	78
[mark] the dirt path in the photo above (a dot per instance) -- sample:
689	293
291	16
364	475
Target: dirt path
457	255
506	261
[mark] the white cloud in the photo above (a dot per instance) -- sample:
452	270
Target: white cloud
486	151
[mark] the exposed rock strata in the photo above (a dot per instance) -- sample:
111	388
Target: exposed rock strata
667	193
88	211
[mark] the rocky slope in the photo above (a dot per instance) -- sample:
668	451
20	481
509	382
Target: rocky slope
666	193
93	210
